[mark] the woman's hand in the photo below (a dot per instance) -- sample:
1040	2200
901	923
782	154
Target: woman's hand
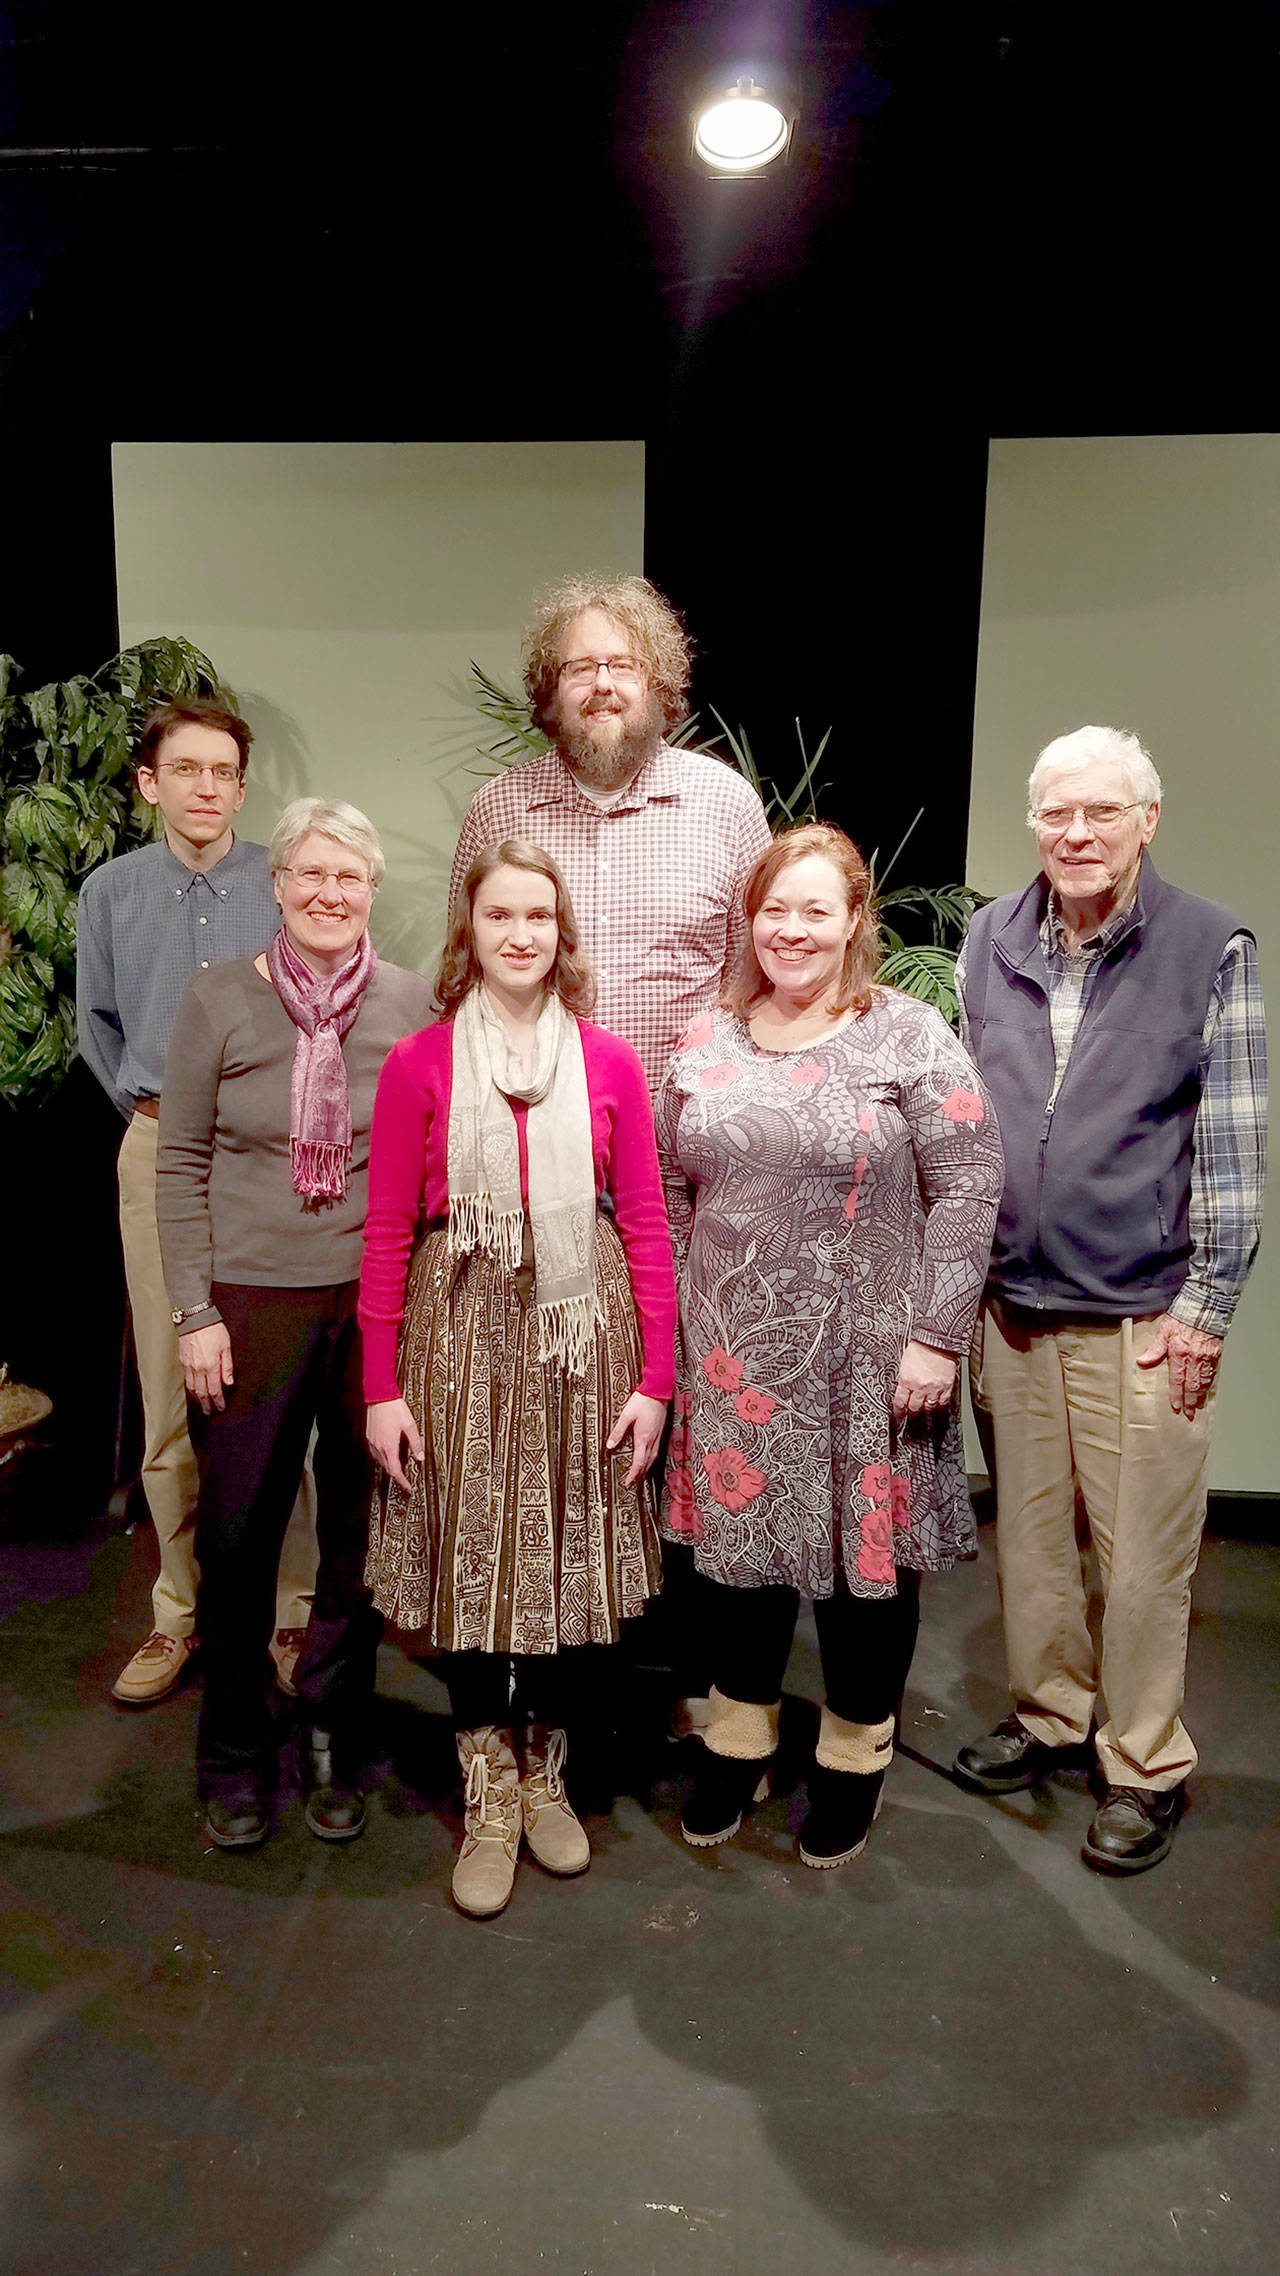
926	1379
389	1424
206	1366
644	1418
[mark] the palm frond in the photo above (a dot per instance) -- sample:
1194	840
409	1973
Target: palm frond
926	973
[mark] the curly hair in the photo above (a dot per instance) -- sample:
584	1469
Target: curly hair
192	711
571	975
661	643
747	984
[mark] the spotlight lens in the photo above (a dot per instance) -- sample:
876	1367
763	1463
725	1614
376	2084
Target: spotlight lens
745	131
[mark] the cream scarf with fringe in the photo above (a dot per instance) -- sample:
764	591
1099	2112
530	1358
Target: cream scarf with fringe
486	1211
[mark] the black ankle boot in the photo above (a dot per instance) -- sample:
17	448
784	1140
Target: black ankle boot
843	1805
723	1787
335	1805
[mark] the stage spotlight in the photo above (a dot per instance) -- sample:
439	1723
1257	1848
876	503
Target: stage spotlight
741	129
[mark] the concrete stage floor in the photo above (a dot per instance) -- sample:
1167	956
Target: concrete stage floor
963	2054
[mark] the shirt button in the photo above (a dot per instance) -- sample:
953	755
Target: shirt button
222	889
178	890
204	920
204	964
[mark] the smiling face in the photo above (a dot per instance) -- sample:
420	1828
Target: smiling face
1092	866
325	897
802	928
605	723
198	786
516	932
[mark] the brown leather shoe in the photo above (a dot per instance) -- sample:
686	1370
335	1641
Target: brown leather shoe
1009	1758
1133	1828
155	1669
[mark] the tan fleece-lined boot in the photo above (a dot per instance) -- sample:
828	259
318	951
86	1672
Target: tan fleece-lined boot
550	1826
485	1873
740	1741
845	1789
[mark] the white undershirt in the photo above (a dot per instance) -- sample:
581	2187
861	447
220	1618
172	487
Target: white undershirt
600	797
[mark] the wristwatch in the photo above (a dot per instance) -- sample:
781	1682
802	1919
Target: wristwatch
178	1316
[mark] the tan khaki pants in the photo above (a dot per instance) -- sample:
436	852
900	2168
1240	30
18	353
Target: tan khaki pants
169	1478
1085	1448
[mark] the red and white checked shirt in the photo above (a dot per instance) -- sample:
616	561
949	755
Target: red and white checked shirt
654	880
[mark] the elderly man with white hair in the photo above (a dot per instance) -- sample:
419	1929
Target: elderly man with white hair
1117	1021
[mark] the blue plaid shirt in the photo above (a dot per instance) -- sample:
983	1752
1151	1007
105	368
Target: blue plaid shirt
145	925
1229	1162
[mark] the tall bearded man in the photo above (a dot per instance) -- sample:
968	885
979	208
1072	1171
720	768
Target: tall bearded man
654	842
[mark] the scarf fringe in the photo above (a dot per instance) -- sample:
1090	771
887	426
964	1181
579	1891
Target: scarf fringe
474	1224
319	1168
566	1332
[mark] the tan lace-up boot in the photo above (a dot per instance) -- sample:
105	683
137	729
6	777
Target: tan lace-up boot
550	1827
485	1873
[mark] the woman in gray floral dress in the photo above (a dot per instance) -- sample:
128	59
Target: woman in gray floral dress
832	1171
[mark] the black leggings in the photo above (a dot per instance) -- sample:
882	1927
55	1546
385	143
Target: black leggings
547	1685
866	1645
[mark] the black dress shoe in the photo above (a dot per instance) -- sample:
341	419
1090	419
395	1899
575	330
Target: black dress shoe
1133	1828
1008	1758
335	1804
235	1821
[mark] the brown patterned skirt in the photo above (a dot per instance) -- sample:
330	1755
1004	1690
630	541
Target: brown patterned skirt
519	1534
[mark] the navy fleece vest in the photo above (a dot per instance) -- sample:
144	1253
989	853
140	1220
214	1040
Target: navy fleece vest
1094	1216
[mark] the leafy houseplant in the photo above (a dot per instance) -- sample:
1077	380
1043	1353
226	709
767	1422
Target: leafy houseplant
66	804
924	970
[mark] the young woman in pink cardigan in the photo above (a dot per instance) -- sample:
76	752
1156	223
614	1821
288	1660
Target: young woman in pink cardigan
515	1336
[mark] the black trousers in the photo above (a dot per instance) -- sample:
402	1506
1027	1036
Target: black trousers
296	1355
866	1645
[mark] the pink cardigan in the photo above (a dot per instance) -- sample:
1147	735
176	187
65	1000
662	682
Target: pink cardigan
408	1189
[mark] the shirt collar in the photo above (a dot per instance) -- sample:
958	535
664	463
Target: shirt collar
222	878
659	777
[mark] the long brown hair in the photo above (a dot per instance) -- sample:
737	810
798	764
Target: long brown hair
747	983
571	975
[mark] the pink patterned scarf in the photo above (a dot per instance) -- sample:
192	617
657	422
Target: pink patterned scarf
319	1104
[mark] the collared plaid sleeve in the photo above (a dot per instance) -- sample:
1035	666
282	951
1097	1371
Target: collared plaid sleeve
1229	1165
754	837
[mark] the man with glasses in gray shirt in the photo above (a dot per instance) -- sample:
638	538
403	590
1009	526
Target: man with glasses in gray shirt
146	924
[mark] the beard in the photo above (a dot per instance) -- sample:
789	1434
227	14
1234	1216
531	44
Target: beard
609	763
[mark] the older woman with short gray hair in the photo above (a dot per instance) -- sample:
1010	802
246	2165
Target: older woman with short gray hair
261	1193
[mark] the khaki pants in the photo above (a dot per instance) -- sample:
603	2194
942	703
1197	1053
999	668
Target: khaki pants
169	1478
1085	1448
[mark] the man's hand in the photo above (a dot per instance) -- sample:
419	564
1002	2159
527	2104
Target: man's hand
1193	1362
206	1366
389	1426
926	1379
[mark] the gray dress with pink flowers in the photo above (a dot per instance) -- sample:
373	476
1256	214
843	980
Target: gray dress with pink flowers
826	1205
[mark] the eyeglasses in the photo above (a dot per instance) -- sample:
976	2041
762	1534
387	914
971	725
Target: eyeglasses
579	671
1100	816
189	770
347	880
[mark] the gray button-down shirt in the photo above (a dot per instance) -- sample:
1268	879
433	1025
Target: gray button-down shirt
145	925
